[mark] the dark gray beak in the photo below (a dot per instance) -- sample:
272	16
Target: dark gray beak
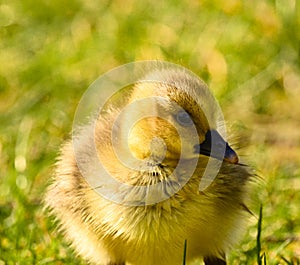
215	146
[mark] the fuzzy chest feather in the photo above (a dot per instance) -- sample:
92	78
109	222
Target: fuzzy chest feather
154	234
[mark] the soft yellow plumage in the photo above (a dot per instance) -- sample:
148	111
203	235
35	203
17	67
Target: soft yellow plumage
106	232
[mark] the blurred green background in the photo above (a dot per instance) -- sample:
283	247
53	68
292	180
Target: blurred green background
51	51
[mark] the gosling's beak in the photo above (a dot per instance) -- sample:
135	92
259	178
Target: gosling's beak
220	149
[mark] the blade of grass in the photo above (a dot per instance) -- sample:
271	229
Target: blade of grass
184	252
285	260
258	243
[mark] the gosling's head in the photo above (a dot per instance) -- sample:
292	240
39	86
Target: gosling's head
172	116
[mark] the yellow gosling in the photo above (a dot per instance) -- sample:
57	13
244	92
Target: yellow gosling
153	232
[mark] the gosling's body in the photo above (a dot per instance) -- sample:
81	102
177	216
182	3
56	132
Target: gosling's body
109	233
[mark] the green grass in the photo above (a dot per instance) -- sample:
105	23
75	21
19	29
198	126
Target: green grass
260	256
51	51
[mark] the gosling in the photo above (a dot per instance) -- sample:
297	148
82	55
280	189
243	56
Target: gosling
140	226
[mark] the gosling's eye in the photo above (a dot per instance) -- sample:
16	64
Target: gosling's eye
184	119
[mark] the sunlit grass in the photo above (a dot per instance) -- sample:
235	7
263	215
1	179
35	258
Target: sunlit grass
51	51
